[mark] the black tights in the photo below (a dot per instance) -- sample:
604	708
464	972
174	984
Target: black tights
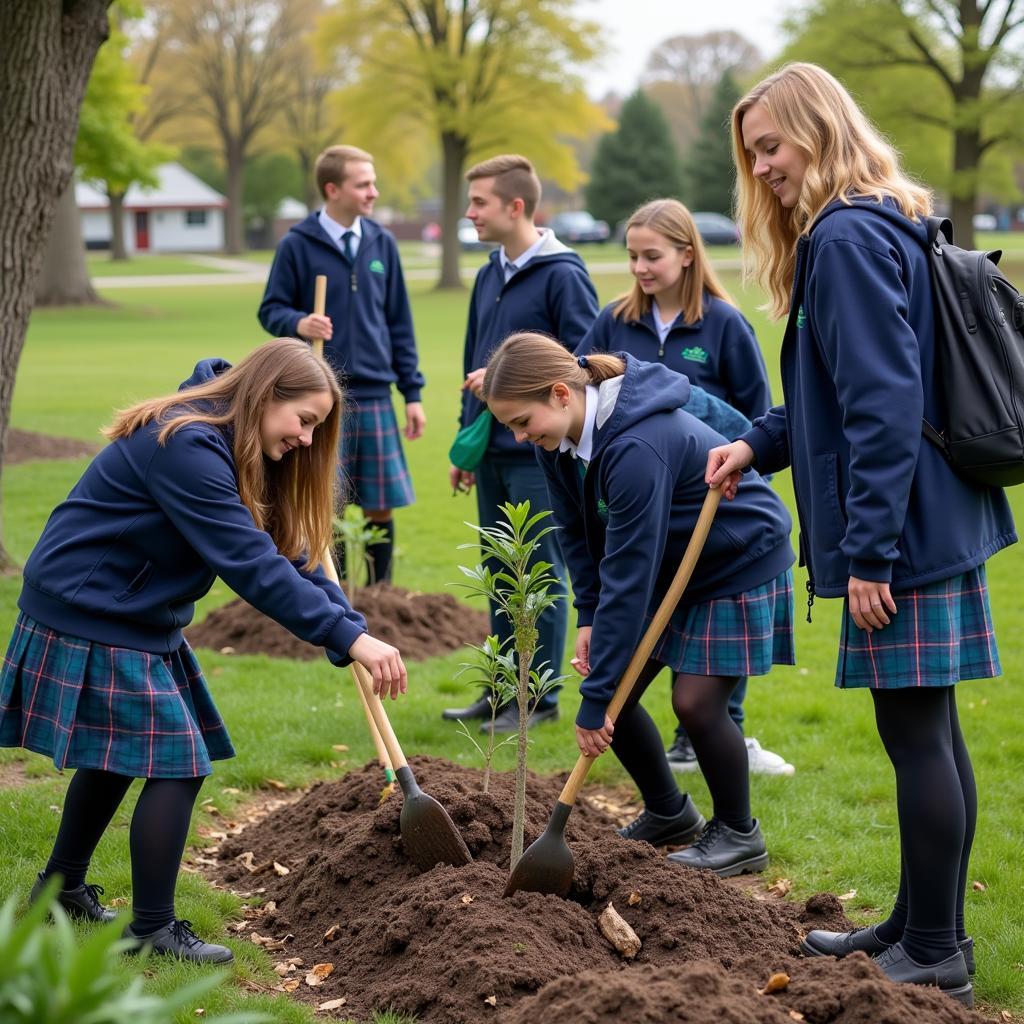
701	705
937	803
157	838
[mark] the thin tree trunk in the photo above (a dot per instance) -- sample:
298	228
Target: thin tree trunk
519	804
64	278
454	151
234	233
48	51
118	251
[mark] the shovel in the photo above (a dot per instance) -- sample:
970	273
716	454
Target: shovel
547	866
428	834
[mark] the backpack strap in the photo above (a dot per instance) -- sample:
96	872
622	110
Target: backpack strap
937	226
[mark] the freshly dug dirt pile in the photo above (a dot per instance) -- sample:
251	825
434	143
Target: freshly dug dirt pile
445	946
419	625
25	446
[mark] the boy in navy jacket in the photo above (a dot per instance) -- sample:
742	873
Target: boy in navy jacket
531	282
367	331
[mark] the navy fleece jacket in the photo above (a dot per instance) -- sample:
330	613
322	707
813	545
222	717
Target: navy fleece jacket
718	353
373	345
875	499
552	294
625	523
145	532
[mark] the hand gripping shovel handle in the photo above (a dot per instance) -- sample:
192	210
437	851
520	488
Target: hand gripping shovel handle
650	637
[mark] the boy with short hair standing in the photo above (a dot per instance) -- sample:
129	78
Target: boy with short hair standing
532	282
367	331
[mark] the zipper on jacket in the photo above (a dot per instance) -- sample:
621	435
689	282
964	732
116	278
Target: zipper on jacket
661	349
810	593
353	279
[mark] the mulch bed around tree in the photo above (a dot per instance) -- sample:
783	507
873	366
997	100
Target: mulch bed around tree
419	625
26	446
448	948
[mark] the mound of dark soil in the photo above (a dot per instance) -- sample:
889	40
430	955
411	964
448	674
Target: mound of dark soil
26	446
446	946
419	625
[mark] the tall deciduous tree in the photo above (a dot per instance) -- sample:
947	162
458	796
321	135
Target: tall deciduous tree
949	71
634	163
474	77
708	171
48	50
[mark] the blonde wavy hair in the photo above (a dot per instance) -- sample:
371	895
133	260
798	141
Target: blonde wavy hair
846	156
671	219
293	499
526	366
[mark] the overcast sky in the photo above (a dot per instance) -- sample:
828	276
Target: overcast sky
635	27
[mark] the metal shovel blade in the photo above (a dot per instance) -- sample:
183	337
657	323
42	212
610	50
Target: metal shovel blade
546	866
428	834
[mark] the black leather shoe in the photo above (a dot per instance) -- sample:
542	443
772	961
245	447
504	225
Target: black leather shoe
178	939
659	830
507	720
840	944
967	948
82	903
480	708
725	851
949	975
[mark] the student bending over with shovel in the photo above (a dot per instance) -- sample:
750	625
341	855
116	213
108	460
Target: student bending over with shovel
624	465
231	477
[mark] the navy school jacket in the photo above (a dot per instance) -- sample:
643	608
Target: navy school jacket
874	499
719	352
143	535
623	525
373	345
552	294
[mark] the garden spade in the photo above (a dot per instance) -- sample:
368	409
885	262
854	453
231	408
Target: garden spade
428	834
547	865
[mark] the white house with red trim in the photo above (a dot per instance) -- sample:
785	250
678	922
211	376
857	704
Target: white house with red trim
182	214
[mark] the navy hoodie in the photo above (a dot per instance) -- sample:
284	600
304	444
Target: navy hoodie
145	532
625	522
373	345
719	352
552	294
874	498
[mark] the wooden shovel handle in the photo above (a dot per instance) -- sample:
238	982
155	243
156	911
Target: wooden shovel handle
643	651
380	716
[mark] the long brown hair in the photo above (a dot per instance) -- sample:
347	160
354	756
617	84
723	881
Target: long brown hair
526	366
671	219
845	156
293	499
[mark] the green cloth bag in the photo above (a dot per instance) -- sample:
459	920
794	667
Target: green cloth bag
470	444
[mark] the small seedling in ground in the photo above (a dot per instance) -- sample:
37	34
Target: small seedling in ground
355	534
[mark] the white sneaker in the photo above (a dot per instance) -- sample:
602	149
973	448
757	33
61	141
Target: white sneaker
764	762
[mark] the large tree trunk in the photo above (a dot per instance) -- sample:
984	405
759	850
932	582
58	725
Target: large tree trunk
454	150
234	224
48	50
64	278
118	250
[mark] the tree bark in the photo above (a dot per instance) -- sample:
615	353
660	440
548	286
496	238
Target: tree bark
454	150
234	223
64	278
118	251
48	51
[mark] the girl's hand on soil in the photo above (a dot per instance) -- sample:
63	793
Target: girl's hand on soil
725	466
383	662
594	742
582	660
460	480
869	601
415	420
474	382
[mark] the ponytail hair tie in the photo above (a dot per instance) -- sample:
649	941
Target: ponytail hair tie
582	360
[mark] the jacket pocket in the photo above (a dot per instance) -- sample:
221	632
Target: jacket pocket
137	584
830	520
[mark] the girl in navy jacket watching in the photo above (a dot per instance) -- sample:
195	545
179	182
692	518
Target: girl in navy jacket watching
233	476
624	465
833	230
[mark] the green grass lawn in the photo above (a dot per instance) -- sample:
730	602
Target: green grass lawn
831	826
101	265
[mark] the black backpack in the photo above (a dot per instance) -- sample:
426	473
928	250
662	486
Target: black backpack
979	357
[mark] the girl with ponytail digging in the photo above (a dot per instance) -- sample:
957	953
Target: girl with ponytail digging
624	466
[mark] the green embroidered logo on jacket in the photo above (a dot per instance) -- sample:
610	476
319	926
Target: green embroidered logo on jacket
695	354
376	267
801	318
602	509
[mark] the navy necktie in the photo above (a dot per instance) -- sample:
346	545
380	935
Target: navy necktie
346	244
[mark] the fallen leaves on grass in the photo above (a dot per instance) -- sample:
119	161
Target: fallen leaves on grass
781	887
847	896
331	1004
318	974
978	886
275	784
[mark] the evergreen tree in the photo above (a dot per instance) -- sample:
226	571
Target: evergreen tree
634	163
708	170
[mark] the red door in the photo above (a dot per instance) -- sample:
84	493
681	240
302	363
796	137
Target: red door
142	230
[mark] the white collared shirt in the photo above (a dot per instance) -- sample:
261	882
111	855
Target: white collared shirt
585	448
511	267
662	327
335	231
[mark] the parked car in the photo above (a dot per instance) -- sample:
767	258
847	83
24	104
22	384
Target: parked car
468	239
716	229
578	226
985	222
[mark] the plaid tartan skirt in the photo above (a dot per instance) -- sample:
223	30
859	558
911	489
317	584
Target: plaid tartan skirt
88	705
372	461
742	635
940	634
